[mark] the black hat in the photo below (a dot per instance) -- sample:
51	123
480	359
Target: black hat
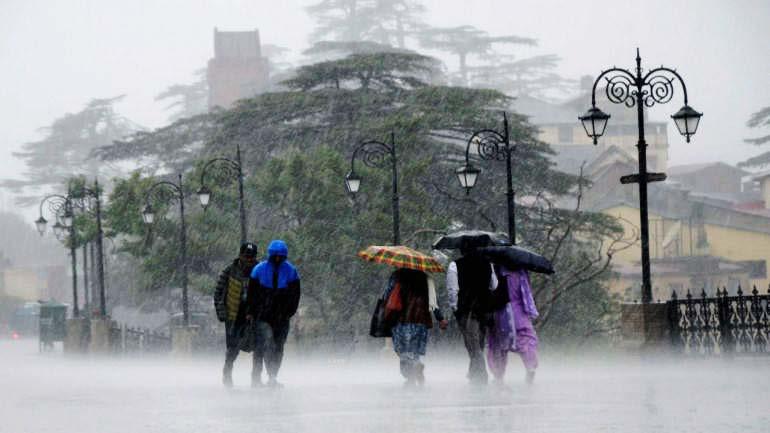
248	249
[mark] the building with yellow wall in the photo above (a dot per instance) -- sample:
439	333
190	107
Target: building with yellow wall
697	242
709	228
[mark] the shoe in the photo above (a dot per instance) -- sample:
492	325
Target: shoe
419	373
530	378
227	376
272	383
257	383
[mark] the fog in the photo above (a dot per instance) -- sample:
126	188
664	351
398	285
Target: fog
52	393
58	55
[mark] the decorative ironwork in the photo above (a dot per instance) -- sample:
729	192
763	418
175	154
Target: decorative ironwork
491	145
722	324
165	190
374	154
496	146
659	89
634	89
227	169
620	89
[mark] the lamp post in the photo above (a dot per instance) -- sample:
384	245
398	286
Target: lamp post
232	167
491	145
148	215
635	89
375	154
61	207
69	203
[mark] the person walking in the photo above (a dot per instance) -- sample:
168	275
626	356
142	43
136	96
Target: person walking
230	305
470	280
273	298
512	330
411	301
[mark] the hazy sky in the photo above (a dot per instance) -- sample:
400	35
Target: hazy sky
56	55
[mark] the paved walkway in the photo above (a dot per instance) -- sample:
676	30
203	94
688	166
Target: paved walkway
52	393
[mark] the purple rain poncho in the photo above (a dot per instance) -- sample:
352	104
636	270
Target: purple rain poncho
512	330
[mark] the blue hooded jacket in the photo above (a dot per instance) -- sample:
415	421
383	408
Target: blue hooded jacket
264	272
274	290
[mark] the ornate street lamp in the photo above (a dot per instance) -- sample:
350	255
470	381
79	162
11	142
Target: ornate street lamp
352	182
65	213
594	122
204	195
634	89
59	231
148	215
377	154
467	175
40	224
234	168
60	205
68	218
491	145
686	121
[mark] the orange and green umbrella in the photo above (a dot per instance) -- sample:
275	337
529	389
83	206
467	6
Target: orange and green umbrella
401	257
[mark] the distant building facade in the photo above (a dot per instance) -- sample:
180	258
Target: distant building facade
238	69
709	223
559	126
698	240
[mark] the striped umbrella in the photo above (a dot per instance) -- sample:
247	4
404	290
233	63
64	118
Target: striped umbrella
401	257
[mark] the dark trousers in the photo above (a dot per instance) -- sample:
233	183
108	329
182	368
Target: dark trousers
271	338
235	332
474	335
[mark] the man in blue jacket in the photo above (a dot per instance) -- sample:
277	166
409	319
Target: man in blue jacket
273	298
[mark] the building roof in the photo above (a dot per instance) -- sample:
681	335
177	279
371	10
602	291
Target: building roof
570	158
681	170
673	203
609	156
237	45
760	175
542	112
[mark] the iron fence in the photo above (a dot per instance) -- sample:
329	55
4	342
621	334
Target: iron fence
136	340
722	324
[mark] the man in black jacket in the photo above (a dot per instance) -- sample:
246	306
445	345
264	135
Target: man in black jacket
274	291
230	304
470	282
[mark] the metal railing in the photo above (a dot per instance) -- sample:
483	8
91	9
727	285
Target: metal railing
720	325
136	340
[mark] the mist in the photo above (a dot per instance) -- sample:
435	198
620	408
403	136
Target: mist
154	153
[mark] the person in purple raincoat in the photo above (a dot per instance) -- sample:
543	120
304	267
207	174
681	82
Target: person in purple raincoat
512	330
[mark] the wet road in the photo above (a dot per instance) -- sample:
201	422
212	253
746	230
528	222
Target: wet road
53	393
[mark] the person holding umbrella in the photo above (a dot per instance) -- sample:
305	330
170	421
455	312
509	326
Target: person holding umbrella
512	329
470	282
411	298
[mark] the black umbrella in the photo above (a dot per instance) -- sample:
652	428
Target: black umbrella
515	257
470	239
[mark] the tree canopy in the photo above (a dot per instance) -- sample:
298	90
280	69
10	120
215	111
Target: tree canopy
760	119
67	146
296	148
